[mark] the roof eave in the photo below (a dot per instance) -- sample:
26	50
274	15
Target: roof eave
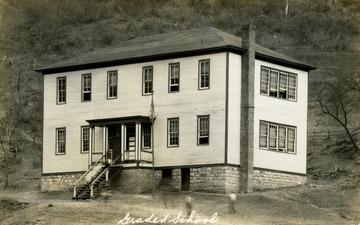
293	64
102	64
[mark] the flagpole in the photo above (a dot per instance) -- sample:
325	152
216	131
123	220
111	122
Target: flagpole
152	118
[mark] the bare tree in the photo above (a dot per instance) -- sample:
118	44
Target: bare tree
340	100
12	111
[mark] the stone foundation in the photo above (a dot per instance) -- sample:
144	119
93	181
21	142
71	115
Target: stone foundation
136	180
264	179
59	182
219	179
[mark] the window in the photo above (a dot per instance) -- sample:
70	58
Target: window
274	75
167	173
146	140
264	135
264	89
85	139
61	90
204	74
291	140
60	141
112	84
174	77
292	87
147	80
277	137
173	132
86	87
278	84
203	130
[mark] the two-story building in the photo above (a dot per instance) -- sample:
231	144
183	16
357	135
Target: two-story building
209	110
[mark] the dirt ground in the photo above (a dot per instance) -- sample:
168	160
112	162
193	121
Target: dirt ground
311	204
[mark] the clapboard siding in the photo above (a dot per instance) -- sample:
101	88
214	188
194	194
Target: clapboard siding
234	109
282	112
186	104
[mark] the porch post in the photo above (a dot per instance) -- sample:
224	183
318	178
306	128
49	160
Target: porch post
137	141
105	141
90	145
123	141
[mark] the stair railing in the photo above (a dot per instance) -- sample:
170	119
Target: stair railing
117	158
82	177
106	170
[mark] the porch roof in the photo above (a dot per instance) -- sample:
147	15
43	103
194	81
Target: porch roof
117	120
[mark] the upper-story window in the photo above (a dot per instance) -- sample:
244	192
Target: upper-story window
86	87
174	77
278	84
61	90
203	130
204	74
112	84
147	80
60	141
277	137
173	132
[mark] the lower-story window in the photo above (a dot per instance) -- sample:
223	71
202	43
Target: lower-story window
85	139
173	132
277	137
203	130
60	141
146	140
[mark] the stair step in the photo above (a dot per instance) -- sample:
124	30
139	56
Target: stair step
83	192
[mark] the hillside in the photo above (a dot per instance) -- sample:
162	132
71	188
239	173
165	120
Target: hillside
39	32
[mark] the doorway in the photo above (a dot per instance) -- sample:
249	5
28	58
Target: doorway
114	142
185	179
130	144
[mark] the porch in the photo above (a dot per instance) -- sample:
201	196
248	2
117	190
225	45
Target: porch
123	141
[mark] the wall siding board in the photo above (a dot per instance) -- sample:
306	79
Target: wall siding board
186	104
283	112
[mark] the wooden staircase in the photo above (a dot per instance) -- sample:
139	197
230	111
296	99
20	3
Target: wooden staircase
99	182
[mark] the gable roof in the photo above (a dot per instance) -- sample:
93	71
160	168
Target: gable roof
188	42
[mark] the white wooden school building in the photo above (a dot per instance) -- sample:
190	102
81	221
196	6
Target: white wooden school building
206	109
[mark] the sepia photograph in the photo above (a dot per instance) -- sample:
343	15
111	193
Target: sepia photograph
226	112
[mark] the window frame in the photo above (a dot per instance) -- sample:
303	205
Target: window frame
169	132
277	137
57	130
272	83
199	136
143	135
170	70
109	73
82	139
83	92
58	91
144	81
200	75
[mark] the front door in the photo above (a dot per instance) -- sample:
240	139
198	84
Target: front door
114	143
130	144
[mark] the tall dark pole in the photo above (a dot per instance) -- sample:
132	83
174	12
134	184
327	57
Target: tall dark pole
152	119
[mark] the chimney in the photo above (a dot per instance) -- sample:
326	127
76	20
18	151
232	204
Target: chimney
247	109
